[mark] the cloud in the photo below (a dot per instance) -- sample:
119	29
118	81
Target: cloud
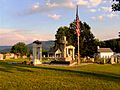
94	18
89	3
8	38
106	9
95	2
72	3
36	6
92	10
54	16
102	17
98	18
4	30
51	5
106	35
112	15
82	2
60	3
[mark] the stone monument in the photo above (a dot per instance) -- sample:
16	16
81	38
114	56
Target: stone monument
37	52
68	51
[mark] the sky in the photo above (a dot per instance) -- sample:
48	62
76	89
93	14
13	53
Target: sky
30	20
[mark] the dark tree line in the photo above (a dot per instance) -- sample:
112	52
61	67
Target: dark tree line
114	44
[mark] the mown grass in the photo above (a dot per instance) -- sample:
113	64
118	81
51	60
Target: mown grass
46	77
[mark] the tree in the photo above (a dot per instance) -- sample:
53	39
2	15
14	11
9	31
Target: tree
62	31
114	44
19	48
116	6
87	41
88	44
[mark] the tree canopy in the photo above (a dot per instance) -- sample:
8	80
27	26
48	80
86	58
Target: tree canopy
88	43
116	5
19	48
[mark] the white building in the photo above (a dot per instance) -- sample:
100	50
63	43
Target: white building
105	52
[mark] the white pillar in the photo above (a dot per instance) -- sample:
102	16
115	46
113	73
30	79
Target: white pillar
40	53
37	52
34	53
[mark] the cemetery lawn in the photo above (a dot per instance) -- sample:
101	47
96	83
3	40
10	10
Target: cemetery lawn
47	77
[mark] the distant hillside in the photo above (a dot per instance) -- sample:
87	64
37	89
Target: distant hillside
46	45
5	49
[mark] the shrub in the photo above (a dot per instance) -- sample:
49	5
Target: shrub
101	61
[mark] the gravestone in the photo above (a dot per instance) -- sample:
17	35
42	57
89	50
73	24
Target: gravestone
112	60
1	56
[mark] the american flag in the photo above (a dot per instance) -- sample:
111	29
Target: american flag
77	23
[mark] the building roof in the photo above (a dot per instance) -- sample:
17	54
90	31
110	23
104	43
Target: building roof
57	51
104	50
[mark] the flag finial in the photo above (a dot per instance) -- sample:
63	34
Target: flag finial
77	11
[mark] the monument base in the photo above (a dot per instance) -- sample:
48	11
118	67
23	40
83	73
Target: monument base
36	62
62	62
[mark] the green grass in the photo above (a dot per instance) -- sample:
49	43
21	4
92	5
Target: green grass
45	77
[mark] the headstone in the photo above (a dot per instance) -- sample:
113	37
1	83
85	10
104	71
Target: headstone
1	56
92	59
112	60
104	60
116	60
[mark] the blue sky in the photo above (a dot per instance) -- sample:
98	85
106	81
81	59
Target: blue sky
29	20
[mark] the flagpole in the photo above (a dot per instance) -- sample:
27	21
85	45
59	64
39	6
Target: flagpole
78	34
78	52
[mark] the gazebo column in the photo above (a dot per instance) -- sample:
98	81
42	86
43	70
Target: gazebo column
67	51
73	53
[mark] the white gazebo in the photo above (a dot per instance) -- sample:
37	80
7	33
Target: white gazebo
70	53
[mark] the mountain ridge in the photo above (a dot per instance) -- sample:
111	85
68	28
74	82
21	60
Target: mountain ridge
46	45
